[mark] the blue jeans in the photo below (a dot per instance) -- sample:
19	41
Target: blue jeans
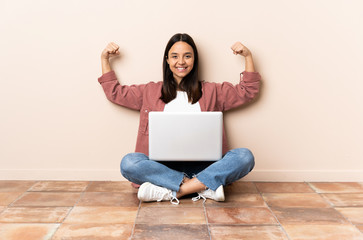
235	164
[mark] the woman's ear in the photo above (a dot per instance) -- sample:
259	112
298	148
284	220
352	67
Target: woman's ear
167	59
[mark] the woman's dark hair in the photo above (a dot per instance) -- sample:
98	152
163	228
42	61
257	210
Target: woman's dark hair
190	83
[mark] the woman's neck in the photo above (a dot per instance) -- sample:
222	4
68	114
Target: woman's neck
178	80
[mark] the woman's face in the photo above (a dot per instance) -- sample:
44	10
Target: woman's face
180	60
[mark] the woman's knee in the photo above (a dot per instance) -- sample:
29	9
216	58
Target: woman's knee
245	157
129	162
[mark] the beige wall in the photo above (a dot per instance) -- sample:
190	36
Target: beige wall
57	124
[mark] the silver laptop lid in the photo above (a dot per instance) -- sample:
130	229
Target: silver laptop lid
185	136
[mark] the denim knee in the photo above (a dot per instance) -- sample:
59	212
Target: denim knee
245	158
129	163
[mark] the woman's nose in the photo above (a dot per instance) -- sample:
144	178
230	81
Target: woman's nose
181	61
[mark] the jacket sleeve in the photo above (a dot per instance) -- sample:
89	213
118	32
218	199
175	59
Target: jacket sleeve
230	96
127	96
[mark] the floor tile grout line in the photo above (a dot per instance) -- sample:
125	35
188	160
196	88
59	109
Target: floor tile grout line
60	191
36	182
310	186
134	225
206	220
326	200
246	224
89	184
277	220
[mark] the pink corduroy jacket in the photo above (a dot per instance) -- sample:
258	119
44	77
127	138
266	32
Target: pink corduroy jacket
146	97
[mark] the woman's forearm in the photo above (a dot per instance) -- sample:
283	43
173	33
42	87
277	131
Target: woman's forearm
249	66
106	66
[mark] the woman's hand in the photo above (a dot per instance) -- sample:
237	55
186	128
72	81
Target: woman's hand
110	51
239	48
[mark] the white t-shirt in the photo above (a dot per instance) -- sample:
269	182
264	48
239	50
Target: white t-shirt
181	104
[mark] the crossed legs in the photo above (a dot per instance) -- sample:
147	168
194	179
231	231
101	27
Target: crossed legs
138	168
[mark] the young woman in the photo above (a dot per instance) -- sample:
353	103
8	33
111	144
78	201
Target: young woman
181	90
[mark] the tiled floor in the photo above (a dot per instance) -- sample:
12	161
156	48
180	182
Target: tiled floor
110	210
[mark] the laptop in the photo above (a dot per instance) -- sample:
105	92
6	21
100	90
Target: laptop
185	136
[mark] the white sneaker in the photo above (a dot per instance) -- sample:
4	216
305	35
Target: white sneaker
217	195
149	192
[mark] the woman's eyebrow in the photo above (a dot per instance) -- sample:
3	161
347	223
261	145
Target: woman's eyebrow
174	53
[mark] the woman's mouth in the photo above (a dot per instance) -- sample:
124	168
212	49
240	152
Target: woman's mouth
181	69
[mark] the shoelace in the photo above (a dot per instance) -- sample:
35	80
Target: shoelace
165	194
194	199
176	200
